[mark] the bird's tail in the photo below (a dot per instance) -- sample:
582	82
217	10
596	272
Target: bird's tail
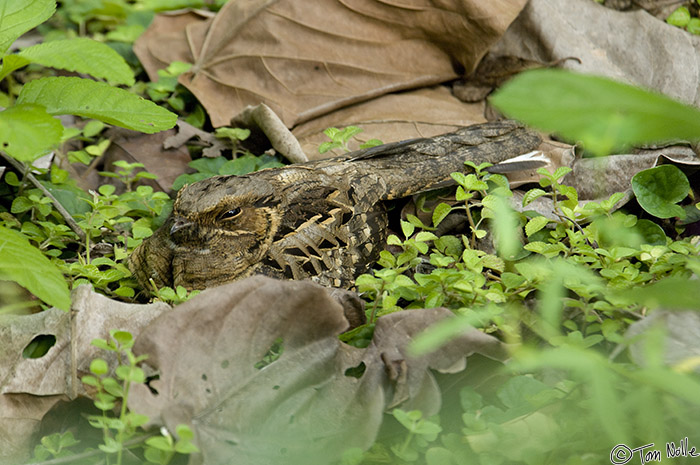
413	166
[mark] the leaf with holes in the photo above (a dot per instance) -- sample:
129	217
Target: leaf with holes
90	99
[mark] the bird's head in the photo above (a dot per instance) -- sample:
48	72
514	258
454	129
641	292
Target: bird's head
219	229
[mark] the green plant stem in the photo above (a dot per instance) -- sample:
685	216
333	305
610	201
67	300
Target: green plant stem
373	315
472	236
57	205
93	453
122	415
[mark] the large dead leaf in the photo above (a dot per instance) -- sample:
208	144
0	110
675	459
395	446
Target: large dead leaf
30	387
305	59
634	47
419	113
301	408
150	149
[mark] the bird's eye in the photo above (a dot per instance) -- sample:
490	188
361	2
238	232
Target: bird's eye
230	214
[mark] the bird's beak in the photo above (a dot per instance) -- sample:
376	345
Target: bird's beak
178	224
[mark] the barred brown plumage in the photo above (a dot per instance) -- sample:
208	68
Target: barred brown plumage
325	220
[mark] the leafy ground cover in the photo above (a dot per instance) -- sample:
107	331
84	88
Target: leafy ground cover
564	291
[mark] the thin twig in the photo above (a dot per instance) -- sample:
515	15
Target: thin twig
19	166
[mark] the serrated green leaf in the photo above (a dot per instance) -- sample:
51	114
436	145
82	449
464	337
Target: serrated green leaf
531	195
561	172
26	265
97	100
11	63
602	113
659	189
82	55
425	236
28	132
21	205
535	224
16	18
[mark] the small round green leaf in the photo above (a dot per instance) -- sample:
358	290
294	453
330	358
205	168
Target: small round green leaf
680	17
99	367
659	189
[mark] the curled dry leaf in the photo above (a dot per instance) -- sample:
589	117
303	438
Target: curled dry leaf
213	146
306	59
303	407
30	387
264	119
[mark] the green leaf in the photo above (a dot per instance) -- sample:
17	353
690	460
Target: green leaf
531	195
99	367
659	189
23	263
680	17
425	236
16	18
651	232
694	26
160	443
21	205
602	113
672	293
82	55
11	63
440	212
27	132
97	100
535	224
407	228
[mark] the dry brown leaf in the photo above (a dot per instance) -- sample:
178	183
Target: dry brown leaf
213	146
301	408
30	387
423	112
306	59
149	149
